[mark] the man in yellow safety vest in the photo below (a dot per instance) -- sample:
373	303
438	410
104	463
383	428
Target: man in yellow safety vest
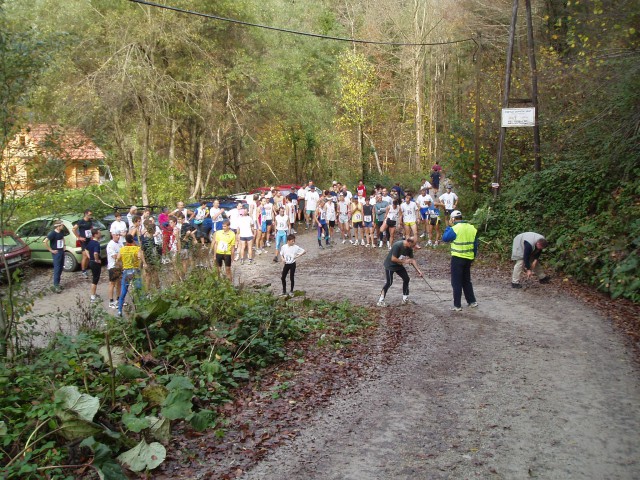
464	246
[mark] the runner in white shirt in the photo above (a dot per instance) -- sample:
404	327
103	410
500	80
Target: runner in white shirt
282	227
423	201
289	253
119	225
267	219
245	232
449	200
115	273
311	200
330	212
409	211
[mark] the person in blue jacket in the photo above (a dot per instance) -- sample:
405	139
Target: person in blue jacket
464	247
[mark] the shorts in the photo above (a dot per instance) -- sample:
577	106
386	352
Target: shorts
408	224
332	223
357	224
83	245
391	223
434	221
217	226
223	257
263	227
343	218
367	224
268	223
96	268
423	213
246	239
379	222
115	274
448	211
310	212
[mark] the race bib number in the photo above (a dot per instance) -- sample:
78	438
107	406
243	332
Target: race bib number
357	217
59	244
223	246
289	258
367	218
87	233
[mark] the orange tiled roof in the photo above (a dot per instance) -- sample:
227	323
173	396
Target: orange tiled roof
75	143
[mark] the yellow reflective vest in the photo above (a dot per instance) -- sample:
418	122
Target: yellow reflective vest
462	246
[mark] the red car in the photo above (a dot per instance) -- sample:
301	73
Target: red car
17	254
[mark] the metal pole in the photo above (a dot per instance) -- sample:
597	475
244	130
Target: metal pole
534	88
507	91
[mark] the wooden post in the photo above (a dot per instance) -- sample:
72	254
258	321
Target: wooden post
507	91
534	88
476	160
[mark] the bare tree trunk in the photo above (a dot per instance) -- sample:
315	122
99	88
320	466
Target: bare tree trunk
172	149
197	187
127	157
419	31
145	160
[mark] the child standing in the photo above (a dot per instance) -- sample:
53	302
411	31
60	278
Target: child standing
289	253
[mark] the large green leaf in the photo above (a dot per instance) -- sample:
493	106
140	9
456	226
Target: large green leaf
202	420
103	461
76	428
118	356
160	428
144	456
177	404
70	399
134	423
180	383
130	372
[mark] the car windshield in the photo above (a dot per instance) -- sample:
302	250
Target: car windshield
9	243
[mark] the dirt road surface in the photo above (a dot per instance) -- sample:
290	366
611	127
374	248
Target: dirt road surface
533	383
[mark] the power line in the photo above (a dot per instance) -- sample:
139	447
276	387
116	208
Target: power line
295	32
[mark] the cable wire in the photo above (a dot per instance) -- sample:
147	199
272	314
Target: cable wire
295	32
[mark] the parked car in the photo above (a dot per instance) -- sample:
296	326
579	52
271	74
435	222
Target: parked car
17	253
34	232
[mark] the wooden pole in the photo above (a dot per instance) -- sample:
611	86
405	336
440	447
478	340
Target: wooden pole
534	88
476	160
507	91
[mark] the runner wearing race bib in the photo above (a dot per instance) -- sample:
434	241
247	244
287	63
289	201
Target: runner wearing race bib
289	253
282	227
223	242
409	211
356	221
423	203
344	212
367	222
321	223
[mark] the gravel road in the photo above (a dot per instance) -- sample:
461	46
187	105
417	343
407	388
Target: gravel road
533	383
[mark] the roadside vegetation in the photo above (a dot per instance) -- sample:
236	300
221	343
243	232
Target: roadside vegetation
108	396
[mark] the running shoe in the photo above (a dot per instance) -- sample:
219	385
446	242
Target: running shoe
321	247
275	259
259	251
344	241
380	244
407	301
251	261
473	305
456	309
381	303
113	305
422	235
429	243
515	285
283	294
268	243
367	245
389	244
85	274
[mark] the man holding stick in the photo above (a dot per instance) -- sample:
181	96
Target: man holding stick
401	254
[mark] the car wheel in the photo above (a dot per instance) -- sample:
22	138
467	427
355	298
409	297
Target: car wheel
70	262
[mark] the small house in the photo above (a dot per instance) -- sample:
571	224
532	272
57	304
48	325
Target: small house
51	155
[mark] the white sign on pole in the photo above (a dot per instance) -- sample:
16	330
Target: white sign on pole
518	117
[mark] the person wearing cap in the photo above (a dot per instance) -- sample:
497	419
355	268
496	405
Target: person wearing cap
449	200
526	250
55	244
401	254
464	247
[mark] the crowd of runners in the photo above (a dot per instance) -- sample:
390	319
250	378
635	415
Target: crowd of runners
263	223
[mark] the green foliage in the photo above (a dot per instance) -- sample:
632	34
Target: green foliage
180	359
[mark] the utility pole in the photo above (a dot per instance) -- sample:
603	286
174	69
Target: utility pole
507	91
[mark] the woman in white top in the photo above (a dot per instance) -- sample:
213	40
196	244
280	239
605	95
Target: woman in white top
390	221
245	232
344	214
